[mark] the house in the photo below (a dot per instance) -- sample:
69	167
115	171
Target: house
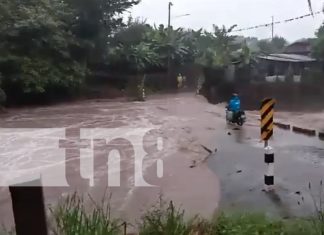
300	47
289	65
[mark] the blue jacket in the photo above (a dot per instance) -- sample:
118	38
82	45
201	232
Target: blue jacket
234	104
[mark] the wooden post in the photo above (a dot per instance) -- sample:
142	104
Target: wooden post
28	208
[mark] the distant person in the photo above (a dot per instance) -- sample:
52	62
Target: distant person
200	83
234	105
180	80
184	81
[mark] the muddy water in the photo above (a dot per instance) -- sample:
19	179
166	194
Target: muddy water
29	147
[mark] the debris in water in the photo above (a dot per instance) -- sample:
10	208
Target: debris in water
207	149
229	133
236	129
194	164
298	193
239	171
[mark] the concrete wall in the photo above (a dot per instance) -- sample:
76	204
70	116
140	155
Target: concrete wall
289	96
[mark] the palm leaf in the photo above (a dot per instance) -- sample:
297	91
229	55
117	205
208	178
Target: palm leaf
232	28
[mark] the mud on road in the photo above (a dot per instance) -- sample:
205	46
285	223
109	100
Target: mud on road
185	123
194	133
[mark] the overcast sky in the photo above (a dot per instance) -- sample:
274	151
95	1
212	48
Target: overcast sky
244	13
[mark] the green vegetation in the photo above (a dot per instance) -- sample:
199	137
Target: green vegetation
318	44
71	217
48	48
276	45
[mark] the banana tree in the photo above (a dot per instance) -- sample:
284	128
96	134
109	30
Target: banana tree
138	59
170	44
215	49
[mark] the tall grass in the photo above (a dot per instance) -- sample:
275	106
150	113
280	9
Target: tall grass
168	220
164	220
72	218
318	218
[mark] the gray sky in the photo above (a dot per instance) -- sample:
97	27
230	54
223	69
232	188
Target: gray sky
244	13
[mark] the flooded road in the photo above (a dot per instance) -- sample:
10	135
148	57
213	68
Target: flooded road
239	162
188	125
35	143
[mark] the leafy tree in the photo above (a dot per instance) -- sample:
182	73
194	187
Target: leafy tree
36	47
279	43
136	57
276	45
46	45
173	44
131	34
216	49
224	44
318	45
243	55
96	21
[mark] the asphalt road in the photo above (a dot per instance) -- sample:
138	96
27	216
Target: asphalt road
239	163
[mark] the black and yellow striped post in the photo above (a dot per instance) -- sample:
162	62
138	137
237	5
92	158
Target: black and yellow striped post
267	112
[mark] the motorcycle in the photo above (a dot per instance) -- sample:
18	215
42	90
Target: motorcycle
238	119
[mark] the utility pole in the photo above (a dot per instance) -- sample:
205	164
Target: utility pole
272	27
169	17
169	35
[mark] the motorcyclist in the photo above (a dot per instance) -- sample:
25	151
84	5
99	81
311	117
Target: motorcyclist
234	105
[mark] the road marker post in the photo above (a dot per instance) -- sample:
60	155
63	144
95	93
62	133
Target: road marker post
267	112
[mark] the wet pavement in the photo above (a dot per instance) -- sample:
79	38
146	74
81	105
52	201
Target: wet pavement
239	162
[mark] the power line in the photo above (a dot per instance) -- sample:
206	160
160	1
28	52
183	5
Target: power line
277	22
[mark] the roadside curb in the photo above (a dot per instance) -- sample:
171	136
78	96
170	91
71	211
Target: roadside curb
299	130
282	126
321	135
304	131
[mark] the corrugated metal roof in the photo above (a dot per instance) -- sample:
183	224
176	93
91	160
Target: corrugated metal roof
288	58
